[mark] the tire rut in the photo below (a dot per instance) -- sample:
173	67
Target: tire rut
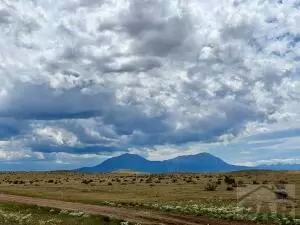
138	216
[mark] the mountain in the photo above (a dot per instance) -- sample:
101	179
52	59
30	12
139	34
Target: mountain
203	162
126	162
280	166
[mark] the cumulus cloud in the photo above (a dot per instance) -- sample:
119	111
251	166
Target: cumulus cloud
147	73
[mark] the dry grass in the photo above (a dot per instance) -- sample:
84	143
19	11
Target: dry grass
134	187
18	214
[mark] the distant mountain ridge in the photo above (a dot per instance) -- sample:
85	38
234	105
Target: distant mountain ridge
202	162
280	166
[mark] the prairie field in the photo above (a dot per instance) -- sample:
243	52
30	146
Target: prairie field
15	214
199	194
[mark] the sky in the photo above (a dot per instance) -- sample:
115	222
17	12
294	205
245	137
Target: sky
85	80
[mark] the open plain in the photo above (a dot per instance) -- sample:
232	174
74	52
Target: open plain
208	195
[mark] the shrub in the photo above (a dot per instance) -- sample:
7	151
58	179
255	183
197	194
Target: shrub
18	182
85	181
240	183
255	182
106	219
229	188
229	180
188	180
211	186
148	181
283	182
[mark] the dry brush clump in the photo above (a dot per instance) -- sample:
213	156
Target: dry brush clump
229	188
211	186
241	183
86	181
255	182
283	182
229	180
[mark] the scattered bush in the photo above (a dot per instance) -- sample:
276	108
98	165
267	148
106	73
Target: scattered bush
234	185
106	219
211	186
188	181
241	183
229	180
229	188
255	182
85	181
17	182
148	181
283	182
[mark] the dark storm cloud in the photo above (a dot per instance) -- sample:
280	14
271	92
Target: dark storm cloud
144	73
40	102
76	150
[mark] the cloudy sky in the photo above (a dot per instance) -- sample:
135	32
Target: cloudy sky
84	80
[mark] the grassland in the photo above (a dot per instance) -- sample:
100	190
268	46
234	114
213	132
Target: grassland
185	193
17	214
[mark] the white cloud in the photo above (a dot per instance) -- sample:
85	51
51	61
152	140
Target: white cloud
56	136
14	151
143	74
285	161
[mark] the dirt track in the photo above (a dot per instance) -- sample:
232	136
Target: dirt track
140	216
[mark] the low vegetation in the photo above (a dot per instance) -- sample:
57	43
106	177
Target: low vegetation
18	214
211	186
218	210
212	195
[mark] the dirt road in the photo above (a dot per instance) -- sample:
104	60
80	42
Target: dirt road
139	216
